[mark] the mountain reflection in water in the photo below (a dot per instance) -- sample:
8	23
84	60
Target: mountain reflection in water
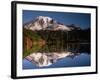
64	55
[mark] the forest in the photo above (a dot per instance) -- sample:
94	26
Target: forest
33	41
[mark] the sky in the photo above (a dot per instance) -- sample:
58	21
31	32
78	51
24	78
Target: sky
66	18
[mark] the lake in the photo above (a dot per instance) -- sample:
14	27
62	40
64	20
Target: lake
52	55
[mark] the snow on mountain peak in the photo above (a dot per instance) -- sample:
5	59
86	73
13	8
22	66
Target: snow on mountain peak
46	23
44	18
40	23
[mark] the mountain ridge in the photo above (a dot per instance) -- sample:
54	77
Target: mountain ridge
48	23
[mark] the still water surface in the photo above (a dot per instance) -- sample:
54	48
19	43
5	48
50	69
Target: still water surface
64	55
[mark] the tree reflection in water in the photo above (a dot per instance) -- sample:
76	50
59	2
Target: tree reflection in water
51	53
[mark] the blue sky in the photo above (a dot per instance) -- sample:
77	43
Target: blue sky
80	19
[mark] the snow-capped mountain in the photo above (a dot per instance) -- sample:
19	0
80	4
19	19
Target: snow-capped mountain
46	23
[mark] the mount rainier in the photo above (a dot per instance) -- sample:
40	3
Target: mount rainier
48	23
